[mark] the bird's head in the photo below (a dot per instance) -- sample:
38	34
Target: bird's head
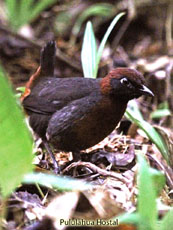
125	83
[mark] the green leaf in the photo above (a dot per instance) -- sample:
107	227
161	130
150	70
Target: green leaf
101	9
24	11
11	7
89	52
147	208
15	142
146	215
150	131
134	110
21	89
133	219
163	105
158	179
159	113
62	22
60	182
162	111
105	38
167	221
39	7
12	12
129	218
90	57
25	8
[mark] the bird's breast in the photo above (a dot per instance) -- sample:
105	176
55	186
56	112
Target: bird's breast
94	126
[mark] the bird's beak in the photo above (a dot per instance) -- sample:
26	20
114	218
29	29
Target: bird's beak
146	91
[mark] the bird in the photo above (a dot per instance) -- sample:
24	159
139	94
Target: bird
75	113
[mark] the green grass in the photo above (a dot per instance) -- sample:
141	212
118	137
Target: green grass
90	56
24	11
150	183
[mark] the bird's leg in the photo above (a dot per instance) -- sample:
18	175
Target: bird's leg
48	149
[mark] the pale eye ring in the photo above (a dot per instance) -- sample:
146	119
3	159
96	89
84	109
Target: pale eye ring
124	81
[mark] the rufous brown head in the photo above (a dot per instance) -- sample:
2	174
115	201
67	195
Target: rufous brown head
125	83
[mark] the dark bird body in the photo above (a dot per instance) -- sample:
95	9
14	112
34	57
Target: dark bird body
82	115
76	113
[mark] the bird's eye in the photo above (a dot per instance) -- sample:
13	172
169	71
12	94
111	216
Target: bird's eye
124	81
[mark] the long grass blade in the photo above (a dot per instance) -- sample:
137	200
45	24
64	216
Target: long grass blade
59	182
89	52
105	38
147	208
12	12
25	11
151	132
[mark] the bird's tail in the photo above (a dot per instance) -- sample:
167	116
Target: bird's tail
46	68
47	59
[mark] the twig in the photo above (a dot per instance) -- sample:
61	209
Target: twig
96	169
169	24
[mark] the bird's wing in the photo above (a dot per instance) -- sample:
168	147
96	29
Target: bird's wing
53	94
70	114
